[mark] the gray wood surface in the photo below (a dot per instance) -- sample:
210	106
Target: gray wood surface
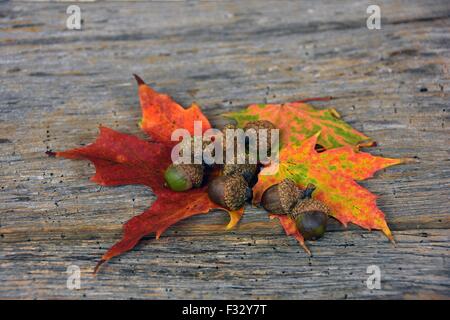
58	85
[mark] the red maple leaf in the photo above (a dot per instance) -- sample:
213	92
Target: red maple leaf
122	159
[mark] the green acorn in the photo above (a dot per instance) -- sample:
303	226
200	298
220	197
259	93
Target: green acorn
281	198
311	217
229	191
182	177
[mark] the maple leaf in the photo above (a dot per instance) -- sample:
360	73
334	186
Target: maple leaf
122	159
333	172
298	121
161	115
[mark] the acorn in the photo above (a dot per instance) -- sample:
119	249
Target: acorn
229	192
247	170
310	217
261	124
192	142
228	126
182	177
282	197
224	139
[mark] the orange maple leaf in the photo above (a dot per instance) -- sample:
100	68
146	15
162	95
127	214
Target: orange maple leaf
161	115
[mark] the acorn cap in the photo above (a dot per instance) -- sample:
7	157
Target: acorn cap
229	126
281	198
224	138
247	170
289	193
311	216
308	205
228	191
259	124
238	168
262	124
182	177
192	142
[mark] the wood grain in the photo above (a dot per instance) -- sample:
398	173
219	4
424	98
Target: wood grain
58	85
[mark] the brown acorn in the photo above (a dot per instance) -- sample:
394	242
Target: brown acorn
261	124
247	170
228	191
182	177
228	126
224	139
310	217
281	198
192	142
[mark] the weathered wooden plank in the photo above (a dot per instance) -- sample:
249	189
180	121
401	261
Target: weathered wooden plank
58	85
238	264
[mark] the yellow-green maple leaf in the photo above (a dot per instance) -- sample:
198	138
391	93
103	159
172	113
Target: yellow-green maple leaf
334	173
298	121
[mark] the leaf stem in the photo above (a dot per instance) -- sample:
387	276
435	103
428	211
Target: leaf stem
308	191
